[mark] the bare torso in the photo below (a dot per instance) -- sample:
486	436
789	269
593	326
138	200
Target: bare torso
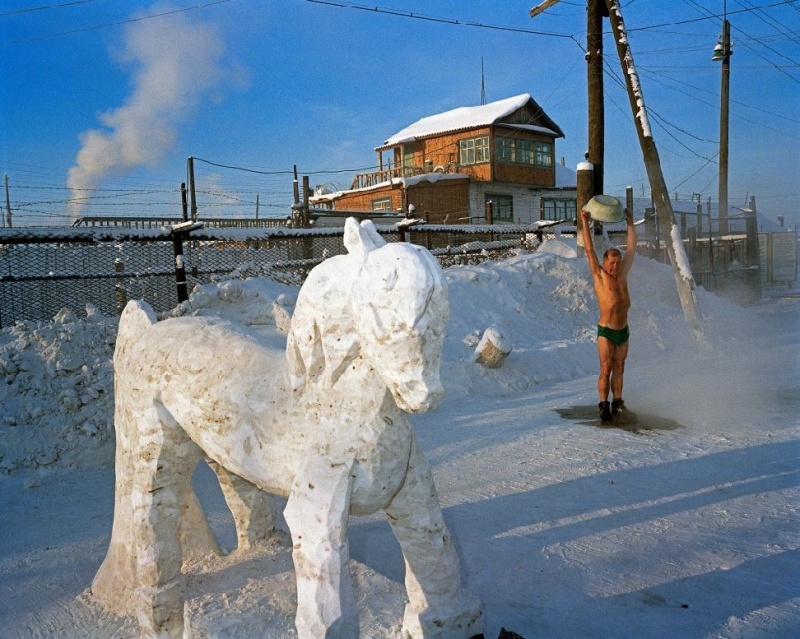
613	299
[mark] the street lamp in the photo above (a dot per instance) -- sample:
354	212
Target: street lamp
722	53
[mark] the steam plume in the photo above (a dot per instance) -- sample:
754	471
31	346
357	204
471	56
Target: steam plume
176	60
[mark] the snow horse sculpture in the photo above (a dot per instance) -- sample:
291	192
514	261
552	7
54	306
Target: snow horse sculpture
322	424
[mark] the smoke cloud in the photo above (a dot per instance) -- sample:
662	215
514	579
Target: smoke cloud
176	60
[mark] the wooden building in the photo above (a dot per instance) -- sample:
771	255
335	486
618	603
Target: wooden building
494	163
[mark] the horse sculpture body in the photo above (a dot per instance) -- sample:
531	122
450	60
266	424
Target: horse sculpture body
322	424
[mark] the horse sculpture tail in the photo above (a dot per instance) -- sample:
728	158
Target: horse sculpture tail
137	316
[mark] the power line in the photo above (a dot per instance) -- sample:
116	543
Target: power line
111	24
427	18
43	8
710	16
746	37
249	170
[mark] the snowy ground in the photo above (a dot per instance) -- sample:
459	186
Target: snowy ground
687	527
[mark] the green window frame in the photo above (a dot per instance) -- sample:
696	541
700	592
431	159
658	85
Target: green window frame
474	150
523	151
543	154
382	204
504	149
502	207
559	209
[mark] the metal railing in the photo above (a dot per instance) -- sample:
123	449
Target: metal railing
366	180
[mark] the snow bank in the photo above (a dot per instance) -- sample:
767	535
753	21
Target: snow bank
57	391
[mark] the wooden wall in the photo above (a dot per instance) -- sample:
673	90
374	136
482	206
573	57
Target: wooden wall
441	202
443	151
519	174
362	200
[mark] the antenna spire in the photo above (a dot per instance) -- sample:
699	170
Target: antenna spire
483	85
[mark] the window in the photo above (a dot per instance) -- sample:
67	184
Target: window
504	148
543	154
502	207
408	156
474	150
558	209
384	204
522	151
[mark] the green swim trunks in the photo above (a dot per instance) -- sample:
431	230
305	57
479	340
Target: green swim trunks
616	336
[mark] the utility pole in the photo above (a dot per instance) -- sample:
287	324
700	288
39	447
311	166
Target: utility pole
595	11
8	204
677	255
192	193
722	53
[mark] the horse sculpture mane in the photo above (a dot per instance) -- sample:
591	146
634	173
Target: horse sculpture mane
322	424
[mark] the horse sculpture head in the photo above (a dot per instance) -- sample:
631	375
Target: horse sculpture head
401	308
385	302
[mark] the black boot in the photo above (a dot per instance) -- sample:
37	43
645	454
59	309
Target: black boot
605	412
617	406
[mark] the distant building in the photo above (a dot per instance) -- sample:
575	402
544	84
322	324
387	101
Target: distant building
494	163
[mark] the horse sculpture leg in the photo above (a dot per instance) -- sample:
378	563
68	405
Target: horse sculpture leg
437	608
252	510
317	513
160	485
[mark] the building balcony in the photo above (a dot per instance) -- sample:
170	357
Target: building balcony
367	180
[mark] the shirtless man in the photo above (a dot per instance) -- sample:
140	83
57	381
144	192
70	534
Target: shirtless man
611	288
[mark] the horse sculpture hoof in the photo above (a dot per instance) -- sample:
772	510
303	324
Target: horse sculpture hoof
461	621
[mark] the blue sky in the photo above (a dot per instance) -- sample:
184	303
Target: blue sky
110	97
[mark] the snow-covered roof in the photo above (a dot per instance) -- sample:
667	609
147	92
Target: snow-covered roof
464	118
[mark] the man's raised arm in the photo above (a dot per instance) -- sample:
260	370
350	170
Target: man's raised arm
630	251
586	234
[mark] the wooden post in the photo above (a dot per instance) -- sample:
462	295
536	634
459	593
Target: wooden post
629	198
753	263
184	204
306	220
583	193
677	255
192	194
119	284
723	127
595	10
8	204
180	267
699	218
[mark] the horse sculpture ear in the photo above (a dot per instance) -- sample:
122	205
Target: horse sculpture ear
361	239
368	226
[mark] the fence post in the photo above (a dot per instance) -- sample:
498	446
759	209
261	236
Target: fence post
180	267
180	232
651	231
753	259
699	218
119	288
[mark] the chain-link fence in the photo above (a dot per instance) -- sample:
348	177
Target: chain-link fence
45	270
